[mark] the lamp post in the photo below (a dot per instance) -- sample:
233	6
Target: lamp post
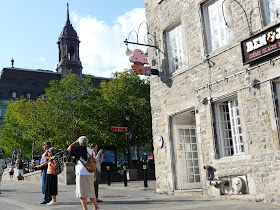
126	115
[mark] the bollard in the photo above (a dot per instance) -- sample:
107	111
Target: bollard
109	178
145	175
124	176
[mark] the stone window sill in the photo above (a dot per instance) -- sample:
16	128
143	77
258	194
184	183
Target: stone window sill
232	158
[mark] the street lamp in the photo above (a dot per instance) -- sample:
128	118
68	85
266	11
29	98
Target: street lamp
126	115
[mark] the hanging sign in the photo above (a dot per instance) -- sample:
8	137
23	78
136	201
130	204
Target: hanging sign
261	46
139	59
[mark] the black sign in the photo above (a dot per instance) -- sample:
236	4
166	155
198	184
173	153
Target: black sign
261	45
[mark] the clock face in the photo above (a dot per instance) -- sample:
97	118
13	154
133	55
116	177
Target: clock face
160	142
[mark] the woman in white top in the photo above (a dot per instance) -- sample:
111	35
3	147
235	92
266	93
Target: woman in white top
84	179
11	170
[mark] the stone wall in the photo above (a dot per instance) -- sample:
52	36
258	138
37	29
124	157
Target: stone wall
224	71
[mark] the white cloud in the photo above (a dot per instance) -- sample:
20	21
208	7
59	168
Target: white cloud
42	59
102	48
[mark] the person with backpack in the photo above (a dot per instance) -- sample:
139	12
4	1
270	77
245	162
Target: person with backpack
44	166
51	177
85	171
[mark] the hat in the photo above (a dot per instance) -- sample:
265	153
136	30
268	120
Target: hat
47	143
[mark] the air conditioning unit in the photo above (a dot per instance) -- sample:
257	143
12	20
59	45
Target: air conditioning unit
236	185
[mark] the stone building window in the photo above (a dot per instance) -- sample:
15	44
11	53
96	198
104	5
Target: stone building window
271	10
228	128
277	100
216	30
28	96
13	94
175	48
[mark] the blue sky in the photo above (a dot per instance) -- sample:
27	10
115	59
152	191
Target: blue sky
30	30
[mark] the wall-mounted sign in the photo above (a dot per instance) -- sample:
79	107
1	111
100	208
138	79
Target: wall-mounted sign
262	45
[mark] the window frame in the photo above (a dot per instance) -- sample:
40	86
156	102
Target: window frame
234	145
26	95
13	92
207	30
180	44
266	12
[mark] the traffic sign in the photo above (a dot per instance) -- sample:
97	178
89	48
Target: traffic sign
118	129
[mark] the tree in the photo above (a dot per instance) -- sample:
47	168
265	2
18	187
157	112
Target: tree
126	91
74	107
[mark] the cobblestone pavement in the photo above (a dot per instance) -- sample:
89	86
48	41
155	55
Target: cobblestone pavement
27	195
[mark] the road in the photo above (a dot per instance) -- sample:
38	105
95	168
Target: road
27	195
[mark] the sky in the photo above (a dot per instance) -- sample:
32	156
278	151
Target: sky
30	30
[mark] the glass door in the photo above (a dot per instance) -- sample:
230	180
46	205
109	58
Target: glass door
188	174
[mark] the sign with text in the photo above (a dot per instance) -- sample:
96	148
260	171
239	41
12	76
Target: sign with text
118	129
261	45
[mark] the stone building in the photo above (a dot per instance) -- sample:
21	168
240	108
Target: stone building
31	83
215	103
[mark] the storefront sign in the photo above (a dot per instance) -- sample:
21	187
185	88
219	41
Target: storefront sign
261	45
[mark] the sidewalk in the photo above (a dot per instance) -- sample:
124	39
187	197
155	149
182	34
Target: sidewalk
26	195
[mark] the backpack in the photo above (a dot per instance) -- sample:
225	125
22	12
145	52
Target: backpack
91	164
59	163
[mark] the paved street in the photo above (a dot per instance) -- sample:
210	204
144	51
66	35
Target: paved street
26	195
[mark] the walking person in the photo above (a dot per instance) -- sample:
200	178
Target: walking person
15	154
84	179
11	170
51	177
2	167
44	166
99	159
19	164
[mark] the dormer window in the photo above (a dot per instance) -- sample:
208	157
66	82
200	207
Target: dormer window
13	94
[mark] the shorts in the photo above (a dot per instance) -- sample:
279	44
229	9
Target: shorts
20	172
11	173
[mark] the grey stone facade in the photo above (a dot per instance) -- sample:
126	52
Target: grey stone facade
188	96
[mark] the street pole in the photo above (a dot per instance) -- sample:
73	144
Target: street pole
124	176
109	177
128	149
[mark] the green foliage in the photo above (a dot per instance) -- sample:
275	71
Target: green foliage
126	92
74	107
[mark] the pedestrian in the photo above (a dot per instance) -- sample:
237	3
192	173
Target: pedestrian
44	166
84	179
19	164
2	167
99	159
15	153
11	170
51	178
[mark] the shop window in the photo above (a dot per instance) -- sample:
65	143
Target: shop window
13	94
175	48
228	128
271	10
216	30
